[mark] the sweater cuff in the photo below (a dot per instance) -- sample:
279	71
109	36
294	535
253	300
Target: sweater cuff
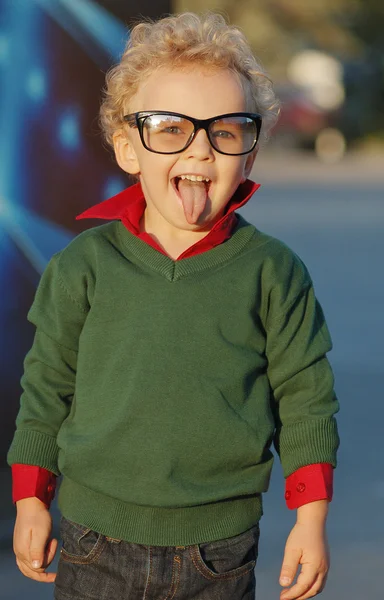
314	441
34	448
309	484
29	481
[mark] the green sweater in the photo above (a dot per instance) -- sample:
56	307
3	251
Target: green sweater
156	387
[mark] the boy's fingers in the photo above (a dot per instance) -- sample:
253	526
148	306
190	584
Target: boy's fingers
50	552
315	589
21	546
36	575
304	583
290	565
37	551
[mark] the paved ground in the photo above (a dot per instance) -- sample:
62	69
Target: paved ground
333	217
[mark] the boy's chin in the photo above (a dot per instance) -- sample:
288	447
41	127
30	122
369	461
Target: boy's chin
205	222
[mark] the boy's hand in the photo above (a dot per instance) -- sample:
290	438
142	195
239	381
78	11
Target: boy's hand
32	545
306	546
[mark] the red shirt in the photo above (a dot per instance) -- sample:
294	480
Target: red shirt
307	484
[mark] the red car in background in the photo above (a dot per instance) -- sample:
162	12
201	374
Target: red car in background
300	120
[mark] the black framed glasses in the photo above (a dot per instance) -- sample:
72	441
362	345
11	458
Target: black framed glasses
167	132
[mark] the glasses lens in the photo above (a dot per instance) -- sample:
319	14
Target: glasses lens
166	133
233	135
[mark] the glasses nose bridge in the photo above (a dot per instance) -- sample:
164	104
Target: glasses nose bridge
201	125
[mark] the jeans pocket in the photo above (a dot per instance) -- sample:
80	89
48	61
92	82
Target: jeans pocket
81	545
230	558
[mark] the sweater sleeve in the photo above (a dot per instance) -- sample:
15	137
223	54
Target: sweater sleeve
58	314
300	375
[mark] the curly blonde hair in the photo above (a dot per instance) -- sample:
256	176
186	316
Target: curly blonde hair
185	40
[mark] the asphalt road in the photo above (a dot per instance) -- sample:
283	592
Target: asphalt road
333	217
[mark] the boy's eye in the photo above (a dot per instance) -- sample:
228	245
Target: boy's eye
172	129
223	134
161	124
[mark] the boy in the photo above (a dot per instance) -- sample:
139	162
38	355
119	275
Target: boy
172	346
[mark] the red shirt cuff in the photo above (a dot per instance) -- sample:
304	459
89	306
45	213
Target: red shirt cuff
308	484
29	481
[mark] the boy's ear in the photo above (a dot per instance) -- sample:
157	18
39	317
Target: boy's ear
249	163
125	153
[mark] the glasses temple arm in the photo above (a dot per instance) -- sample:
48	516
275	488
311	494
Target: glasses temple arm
131	120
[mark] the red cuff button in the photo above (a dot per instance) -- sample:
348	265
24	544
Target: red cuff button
301	487
288	494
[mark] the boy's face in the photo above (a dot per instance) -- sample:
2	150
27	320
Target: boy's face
198	94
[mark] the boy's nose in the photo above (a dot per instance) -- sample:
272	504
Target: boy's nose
200	147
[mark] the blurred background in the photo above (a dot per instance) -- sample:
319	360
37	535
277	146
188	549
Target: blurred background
322	193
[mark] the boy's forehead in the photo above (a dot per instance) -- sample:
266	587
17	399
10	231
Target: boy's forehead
198	92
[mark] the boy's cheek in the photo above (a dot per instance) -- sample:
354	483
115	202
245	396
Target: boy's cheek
249	164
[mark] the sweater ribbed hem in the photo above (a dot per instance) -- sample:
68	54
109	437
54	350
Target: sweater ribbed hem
34	448
155	526
308	442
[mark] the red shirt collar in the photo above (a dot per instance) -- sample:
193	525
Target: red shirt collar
128	206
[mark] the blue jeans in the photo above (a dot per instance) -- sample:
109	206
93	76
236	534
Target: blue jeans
95	567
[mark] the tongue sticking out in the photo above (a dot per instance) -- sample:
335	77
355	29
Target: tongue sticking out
194	196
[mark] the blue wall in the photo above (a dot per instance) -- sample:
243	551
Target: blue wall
53	165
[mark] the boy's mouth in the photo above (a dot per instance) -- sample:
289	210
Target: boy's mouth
193	191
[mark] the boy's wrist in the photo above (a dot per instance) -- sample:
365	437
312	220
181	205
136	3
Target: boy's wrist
30	481
313	513
30	504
